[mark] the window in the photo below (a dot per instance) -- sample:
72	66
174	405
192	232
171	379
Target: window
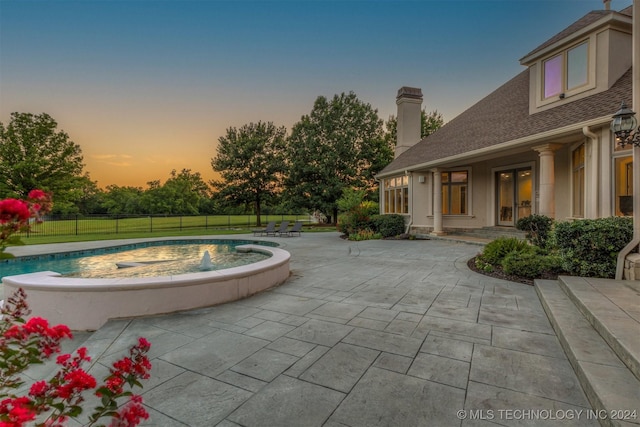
577	161
623	183
396	195
454	192
566	71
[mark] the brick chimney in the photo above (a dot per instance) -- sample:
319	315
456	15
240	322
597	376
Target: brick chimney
409	102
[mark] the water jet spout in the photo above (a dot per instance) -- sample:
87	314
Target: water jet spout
205	263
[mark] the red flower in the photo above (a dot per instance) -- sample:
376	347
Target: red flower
115	384
38	195
75	381
143	344
63	359
16	411
38	388
13	210
131	414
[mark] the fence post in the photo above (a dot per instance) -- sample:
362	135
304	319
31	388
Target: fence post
150	223
180	222
206	222
116	224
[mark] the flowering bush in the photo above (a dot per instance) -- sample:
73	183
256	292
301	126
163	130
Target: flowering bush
24	343
51	403
16	214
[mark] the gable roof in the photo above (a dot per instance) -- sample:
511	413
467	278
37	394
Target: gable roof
503	116
574	28
581	23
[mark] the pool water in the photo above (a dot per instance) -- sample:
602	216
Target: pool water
164	259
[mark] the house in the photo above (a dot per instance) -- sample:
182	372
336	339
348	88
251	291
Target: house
539	144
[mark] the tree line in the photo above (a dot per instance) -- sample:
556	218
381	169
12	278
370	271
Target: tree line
342	143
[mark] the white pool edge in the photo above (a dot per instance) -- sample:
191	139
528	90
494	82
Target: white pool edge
86	304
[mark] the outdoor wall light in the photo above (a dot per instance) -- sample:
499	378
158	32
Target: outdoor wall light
624	126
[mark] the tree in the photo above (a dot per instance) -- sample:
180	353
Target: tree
122	200
182	194
34	154
251	162
339	144
429	123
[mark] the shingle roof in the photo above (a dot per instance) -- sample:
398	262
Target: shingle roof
503	116
585	21
581	23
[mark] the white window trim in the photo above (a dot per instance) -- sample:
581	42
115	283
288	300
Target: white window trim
384	187
469	192
614	156
541	101
534	188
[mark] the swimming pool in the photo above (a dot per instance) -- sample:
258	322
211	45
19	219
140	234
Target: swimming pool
87	303
176	257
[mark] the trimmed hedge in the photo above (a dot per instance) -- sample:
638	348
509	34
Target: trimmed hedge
590	247
388	225
531	263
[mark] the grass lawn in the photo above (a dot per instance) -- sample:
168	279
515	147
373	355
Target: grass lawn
35	239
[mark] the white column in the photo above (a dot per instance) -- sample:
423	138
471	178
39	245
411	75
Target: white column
437	203
547	187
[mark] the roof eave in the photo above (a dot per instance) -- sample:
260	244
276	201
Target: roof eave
608	20
498	148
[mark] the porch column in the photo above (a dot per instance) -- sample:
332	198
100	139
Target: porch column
547	187
437	203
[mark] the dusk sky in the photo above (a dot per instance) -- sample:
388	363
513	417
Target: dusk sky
148	86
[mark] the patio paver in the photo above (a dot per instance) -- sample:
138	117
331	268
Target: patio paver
372	333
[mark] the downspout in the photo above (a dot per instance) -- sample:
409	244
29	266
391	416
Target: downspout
596	167
410	223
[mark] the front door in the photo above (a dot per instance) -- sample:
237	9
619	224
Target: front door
514	190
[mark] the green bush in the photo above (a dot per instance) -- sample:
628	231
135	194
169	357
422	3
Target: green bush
364	235
358	218
530	263
590	247
495	251
537	227
388	225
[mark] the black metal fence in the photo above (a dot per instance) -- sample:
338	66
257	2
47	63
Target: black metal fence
74	225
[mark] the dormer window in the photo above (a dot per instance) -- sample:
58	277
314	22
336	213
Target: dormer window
566	71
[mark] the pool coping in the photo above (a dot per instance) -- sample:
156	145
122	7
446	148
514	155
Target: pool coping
86	304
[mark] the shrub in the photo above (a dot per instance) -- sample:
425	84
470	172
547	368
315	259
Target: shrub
483	266
356	212
494	252
364	235
358	218
590	247
388	225
530	263
537	227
